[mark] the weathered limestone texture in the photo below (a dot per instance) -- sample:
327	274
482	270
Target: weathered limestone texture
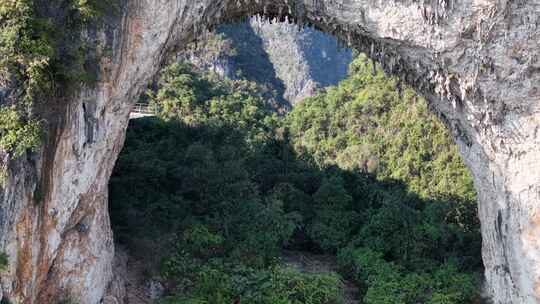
477	61
293	62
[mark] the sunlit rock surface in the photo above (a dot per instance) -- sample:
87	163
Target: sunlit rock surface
475	60
293	62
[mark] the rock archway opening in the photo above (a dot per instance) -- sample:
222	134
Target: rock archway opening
184	165
463	69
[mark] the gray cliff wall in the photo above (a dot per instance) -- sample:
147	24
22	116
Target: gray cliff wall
475	60
294	62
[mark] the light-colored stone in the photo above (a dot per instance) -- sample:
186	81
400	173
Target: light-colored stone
475	60
154	289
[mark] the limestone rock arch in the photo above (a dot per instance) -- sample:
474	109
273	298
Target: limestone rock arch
476	61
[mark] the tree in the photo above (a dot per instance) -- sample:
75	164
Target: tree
333	222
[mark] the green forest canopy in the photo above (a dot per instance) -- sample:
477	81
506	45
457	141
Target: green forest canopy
213	189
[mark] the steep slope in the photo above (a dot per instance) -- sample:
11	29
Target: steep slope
294	62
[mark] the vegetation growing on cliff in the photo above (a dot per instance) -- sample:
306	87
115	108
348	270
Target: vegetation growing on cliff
217	186
41	55
24	60
3	261
17	135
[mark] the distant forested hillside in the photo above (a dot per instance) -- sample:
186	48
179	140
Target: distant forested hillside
212	191
295	63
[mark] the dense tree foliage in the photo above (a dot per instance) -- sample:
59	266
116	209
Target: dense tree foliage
213	189
368	123
3	261
43	56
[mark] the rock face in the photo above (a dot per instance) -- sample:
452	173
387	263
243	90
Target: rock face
475	60
294	62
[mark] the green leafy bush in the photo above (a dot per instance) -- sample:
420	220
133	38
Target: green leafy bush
16	135
334	221
294	287
3	261
386	282
279	285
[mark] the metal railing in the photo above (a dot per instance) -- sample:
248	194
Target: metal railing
142	109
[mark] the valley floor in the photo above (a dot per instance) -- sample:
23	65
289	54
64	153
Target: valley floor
142	290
